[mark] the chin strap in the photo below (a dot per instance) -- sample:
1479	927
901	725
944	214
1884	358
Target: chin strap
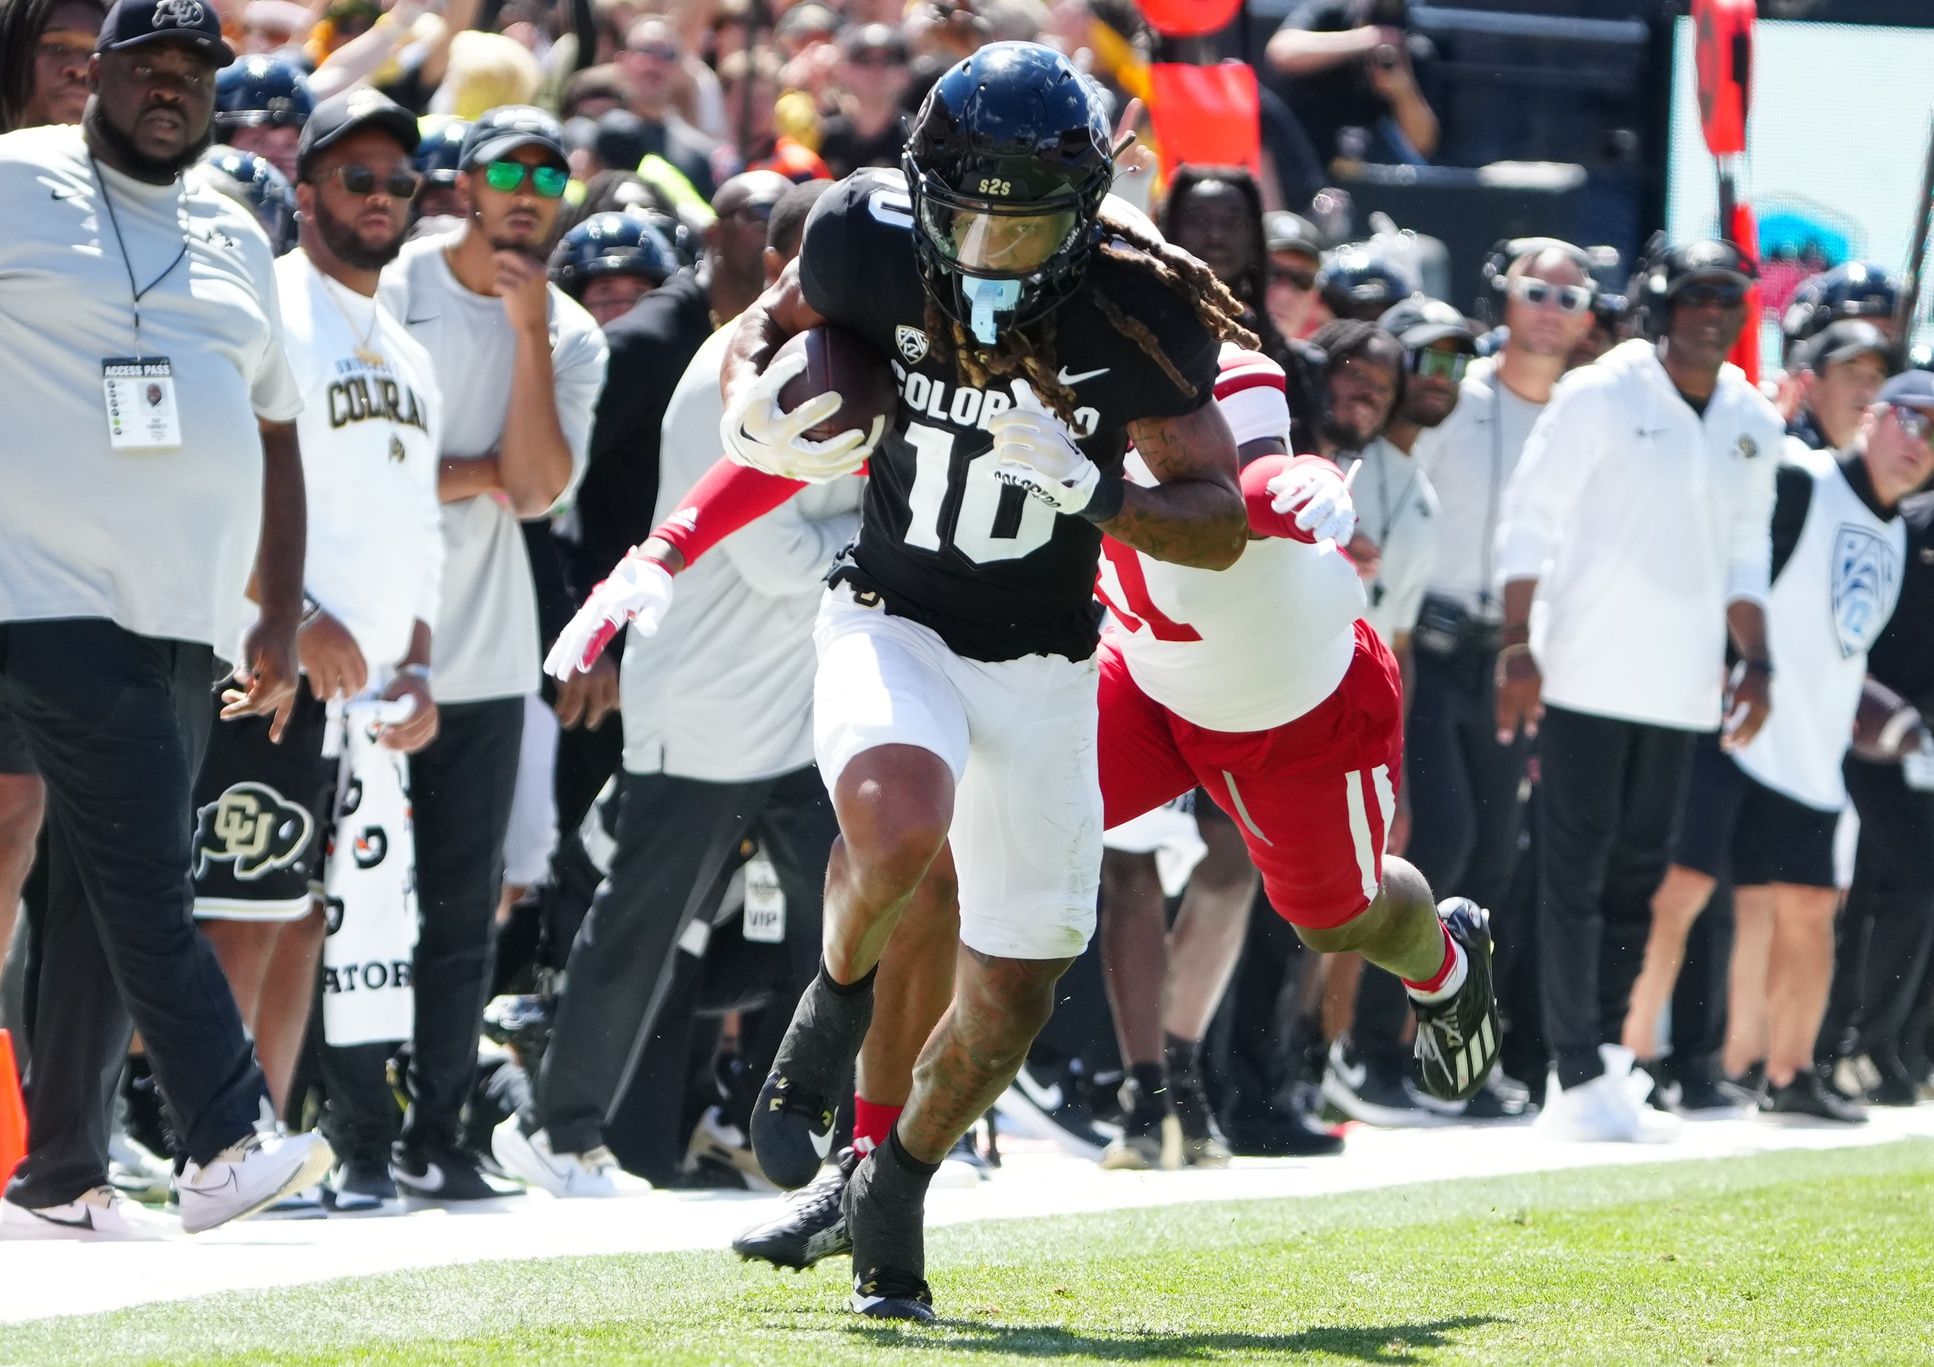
989	298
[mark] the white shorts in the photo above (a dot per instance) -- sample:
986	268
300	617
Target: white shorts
1019	737
531	838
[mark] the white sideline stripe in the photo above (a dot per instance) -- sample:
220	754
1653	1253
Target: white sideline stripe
1365	844
48	1277
1242	810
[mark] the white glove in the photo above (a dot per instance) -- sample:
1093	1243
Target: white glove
638	592
1033	450
757	432
1319	495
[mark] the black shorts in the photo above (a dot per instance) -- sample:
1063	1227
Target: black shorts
15	757
1737	828
262	816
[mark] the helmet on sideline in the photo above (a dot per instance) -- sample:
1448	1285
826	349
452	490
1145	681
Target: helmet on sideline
611	244
262	92
255	181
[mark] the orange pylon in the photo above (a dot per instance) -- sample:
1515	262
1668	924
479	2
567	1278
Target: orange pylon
13	1111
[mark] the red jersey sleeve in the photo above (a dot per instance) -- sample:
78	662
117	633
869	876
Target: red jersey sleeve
727	497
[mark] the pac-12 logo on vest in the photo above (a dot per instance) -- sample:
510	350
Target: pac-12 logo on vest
1864	574
252	827
178	13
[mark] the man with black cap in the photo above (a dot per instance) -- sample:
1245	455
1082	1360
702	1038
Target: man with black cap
1839	373
520	366
1296	250
369	427
1637	523
1766	814
873	71
139	311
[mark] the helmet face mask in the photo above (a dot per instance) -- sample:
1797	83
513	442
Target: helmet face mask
1007	166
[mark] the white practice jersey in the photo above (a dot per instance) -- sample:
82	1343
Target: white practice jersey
370	431
1253	646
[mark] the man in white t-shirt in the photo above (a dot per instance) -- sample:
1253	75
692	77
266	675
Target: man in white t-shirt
520	366
150	448
369	427
1632	539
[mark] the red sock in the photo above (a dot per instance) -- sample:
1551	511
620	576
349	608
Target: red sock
872	1123
1436	981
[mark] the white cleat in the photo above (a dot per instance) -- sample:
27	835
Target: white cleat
530	1159
103	1213
249	1175
1611	1108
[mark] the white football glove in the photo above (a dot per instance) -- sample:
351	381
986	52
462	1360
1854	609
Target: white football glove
1033	450
638	592
1319	495
757	432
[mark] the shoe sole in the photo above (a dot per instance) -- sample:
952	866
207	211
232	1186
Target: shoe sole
1491	1024
312	1170
1353	1107
890	1308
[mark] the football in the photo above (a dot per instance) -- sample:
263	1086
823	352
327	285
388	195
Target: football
1885	727
839	361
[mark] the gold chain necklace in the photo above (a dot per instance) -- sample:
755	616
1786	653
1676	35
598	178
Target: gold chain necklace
365	353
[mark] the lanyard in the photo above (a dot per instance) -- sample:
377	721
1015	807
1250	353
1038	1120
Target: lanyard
138	292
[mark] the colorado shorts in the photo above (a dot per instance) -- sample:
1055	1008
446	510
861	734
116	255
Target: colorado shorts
262	816
1019	739
1737	828
1313	797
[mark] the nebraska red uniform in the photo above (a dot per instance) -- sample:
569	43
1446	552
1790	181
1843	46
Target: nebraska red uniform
1261	683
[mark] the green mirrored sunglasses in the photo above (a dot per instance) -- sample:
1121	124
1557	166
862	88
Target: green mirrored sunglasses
507	176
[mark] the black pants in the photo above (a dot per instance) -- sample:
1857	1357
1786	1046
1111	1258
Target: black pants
1261	1045
1887	933
1465	814
1609	795
460	793
674	837
117	723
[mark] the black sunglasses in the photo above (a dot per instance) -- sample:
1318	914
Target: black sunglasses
1725	296
1302	280
360	180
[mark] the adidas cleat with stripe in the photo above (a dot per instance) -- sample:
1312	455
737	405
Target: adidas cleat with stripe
1458	1039
813	1226
888	1295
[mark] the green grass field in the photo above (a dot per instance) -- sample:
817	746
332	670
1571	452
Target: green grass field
1803	1257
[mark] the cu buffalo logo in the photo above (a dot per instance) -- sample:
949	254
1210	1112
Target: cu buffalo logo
177	13
253	828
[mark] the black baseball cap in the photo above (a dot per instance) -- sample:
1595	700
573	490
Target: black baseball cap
345	113
1915	388
507	128
1283	231
1846	339
194	22
1420	321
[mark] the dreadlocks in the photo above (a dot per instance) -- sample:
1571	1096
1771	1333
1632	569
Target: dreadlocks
1251	284
1033	358
22	22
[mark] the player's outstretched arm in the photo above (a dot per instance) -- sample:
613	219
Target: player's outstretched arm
1195	515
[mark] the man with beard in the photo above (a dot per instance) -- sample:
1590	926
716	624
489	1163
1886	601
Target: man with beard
520	366
139	312
1639	523
369	429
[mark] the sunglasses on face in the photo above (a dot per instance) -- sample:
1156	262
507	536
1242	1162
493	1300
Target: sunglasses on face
1710	296
879	57
1288	275
360	180
1915	423
664	52
1539	293
1427	363
752	211
506	177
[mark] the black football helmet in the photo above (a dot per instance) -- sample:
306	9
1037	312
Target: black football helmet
1007	165
262	92
611	244
1356	282
255	181
1857	289
440	149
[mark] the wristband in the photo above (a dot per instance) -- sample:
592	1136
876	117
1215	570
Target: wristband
311	613
416	672
1758	667
1105	502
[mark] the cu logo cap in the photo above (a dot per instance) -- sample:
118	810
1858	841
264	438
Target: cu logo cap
194	22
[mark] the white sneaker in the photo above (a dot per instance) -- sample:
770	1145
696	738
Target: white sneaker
256	1171
530	1159
1611	1108
102	1213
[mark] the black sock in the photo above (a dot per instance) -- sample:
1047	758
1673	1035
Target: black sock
839	989
915	1168
1151	1081
1184	1056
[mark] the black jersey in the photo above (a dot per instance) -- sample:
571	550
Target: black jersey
996	573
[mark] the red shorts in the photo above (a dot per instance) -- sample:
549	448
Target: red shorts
1313	797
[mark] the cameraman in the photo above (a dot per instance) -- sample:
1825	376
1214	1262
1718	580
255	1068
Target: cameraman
1349	65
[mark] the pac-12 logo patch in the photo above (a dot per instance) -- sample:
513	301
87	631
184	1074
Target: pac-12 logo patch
253	827
911	342
1864	574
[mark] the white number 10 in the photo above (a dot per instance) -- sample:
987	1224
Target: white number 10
980	503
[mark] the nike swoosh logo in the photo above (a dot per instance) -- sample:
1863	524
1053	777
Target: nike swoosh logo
211	1191
822	1143
1047	1098
85	1222
417	322
430	1179
62	193
1066	378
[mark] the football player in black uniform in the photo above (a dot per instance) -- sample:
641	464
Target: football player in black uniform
1032	336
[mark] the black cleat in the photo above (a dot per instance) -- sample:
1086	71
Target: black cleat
1287	1133
792	1120
813	1227
1808	1094
440	1174
888	1295
1458	1039
1203	1145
